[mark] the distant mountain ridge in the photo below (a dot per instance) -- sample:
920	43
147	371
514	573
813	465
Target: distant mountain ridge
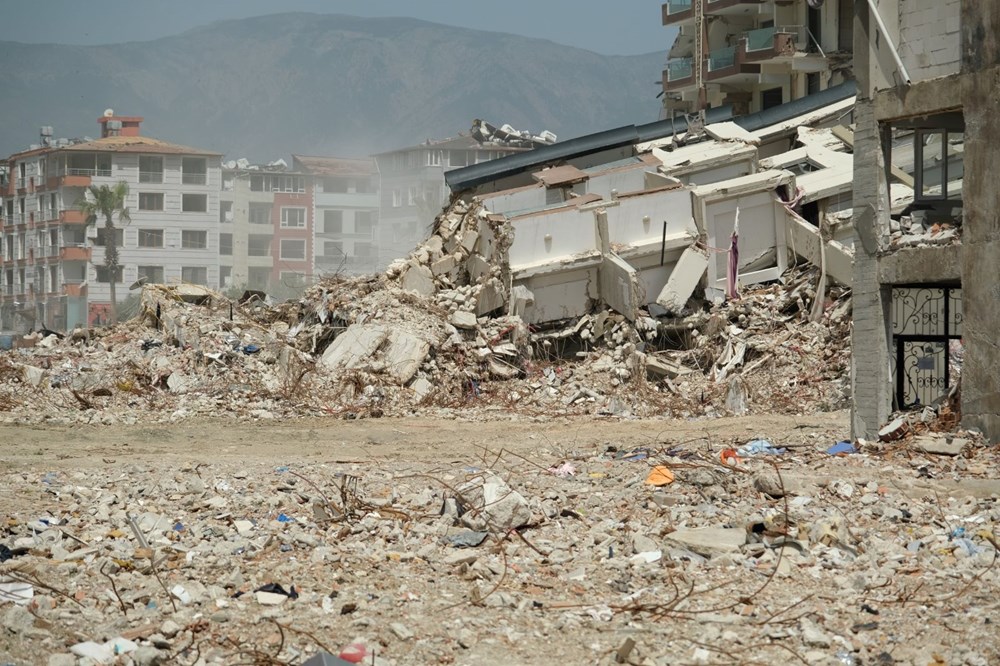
321	84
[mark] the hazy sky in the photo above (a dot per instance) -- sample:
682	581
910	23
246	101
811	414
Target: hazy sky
623	27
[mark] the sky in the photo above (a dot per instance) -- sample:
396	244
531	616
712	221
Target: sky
625	27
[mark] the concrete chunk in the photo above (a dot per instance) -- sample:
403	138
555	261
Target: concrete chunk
941	445
462	319
708	541
683	279
404	352
418	279
358	342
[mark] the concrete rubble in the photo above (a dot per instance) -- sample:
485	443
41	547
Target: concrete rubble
873	557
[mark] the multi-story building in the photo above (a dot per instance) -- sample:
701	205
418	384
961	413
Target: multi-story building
52	269
412	189
266	220
754	54
925	281
345	200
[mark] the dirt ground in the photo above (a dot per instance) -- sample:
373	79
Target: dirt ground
371	441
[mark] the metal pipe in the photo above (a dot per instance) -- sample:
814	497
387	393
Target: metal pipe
663	242
888	40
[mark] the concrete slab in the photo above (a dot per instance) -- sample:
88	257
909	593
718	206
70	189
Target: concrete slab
708	541
403	354
683	280
359	342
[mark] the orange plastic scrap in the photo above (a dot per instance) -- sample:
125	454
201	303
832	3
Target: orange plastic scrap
660	476
727	455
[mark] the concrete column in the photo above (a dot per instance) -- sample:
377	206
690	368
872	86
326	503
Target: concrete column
870	336
981	222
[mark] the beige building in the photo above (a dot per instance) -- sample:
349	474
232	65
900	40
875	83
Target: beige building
754	54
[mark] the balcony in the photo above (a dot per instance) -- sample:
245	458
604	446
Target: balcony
733	64
677	11
721	59
72	216
74	253
194	178
150	176
346	200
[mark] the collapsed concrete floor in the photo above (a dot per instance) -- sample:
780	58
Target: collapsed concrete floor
439	333
885	556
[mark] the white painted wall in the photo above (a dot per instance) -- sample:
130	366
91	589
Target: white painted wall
626	225
929	37
570	233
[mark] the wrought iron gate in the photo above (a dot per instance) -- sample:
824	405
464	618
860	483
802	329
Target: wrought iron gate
925	321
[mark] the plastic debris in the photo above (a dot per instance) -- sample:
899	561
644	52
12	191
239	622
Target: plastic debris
758	447
660	476
842	448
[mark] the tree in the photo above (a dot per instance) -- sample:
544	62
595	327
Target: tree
107	202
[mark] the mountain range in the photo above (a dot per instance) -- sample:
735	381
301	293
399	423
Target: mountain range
321	84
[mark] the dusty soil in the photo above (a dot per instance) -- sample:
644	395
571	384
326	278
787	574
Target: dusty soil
569	591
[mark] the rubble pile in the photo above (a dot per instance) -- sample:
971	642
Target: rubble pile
674	552
440	330
921	229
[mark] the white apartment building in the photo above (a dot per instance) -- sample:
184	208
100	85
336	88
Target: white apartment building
52	269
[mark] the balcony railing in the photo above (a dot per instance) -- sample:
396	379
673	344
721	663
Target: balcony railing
677	6
72	171
761	39
679	68
194	178
150	176
721	58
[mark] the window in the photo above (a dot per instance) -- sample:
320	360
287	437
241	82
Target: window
258	277
194	203
363	225
260	213
150	201
277	183
363	250
333	249
335	185
104	274
333	222
411	196
226	244
397	199
150	169
102	237
194	240
258	245
434	158
294	218
193	171
293	279
293	248
150	237
225	275
153	274
195	274
225	212
459	158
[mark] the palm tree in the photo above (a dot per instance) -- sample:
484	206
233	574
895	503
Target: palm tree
107	202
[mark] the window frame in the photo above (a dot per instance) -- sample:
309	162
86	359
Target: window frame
284	221
281	249
202	234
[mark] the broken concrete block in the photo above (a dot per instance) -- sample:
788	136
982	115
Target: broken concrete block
477	267
469	239
357	343
897	429
444	265
418	279
462	319
942	445
178	383
490	298
521	298
684	279
32	375
421	387
490	504
403	354
708	541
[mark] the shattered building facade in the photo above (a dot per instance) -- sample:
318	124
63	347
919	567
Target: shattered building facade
925	210
754	55
51	263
